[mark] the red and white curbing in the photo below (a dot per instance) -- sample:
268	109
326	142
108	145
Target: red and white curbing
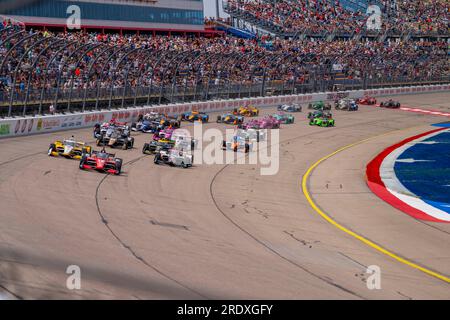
382	181
430	112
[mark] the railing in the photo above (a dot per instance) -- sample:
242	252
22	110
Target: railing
111	79
118	97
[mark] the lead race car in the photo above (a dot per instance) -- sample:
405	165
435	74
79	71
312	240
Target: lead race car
101	161
69	148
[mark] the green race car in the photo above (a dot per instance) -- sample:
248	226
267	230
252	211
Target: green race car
284	118
320	105
322	122
319	114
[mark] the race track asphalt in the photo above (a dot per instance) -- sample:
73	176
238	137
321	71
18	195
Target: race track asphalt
218	231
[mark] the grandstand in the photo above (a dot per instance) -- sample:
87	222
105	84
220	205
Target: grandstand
344	18
169	16
91	69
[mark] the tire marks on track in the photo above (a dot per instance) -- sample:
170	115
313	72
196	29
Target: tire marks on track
129	248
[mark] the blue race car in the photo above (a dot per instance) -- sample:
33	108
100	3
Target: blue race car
195	116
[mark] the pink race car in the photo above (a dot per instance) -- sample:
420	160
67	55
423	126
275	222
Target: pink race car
164	134
268	122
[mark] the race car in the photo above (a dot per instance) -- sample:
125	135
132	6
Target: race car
284	118
68	148
168	122
319	114
116	136
183	140
155	145
248	111
390	104
101	161
320	105
322	122
346	104
254	135
267	122
174	157
230	118
290	108
164	134
238	143
100	129
195	116
367	100
147	126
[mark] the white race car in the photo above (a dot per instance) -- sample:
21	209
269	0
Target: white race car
254	135
174	157
290	108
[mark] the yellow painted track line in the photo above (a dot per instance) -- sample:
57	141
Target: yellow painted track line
354	234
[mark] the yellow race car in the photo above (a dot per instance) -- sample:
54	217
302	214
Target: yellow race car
69	148
248	111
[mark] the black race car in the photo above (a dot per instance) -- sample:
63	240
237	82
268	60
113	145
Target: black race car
390	104
116	136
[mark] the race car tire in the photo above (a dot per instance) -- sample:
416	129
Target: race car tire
118	167
184	165
156	159
125	146
145	148
82	162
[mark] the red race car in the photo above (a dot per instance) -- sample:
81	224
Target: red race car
367	101
101	161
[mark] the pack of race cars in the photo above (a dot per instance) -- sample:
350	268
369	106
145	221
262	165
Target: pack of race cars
174	146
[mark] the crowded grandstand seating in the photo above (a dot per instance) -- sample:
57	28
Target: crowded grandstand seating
51	67
327	16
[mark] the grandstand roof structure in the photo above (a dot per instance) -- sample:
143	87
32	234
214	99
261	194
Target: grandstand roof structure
168	16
